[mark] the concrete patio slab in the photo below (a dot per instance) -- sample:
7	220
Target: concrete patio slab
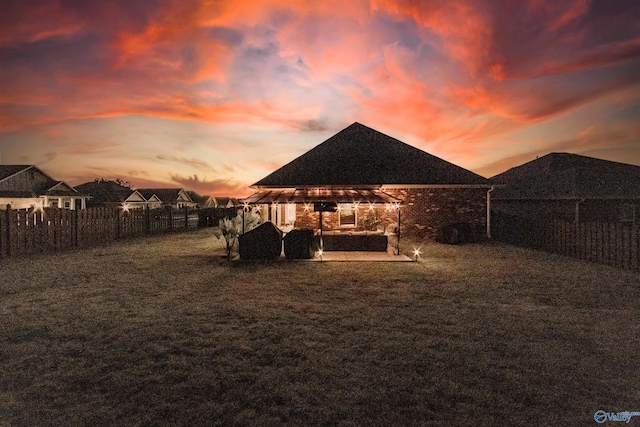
356	256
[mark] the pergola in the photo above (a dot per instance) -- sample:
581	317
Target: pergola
313	195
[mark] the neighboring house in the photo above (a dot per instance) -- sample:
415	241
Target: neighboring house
570	187
174	197
26	186
212	202
202	201
366	177
226	202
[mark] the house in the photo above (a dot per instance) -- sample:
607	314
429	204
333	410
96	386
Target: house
26	186
363	179
212	202
174	197
226	202
202	202
570	187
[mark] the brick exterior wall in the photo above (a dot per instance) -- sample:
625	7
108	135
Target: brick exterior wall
423	213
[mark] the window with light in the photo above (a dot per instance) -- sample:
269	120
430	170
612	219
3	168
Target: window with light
347	215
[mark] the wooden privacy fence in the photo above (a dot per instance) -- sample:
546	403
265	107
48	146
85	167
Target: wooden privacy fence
616	244
24	232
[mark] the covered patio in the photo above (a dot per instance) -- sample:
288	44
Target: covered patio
329	200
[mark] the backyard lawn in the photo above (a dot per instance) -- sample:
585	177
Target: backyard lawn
165	331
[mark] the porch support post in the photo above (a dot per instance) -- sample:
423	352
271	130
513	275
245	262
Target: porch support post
398	230
243	211
321	243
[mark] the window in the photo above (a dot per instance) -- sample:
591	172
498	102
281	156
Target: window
67	204
347	215
290	214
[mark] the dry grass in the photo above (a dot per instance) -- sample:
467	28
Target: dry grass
163	331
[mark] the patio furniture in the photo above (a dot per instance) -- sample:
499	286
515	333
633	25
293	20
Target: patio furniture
263	242
298	244
366	241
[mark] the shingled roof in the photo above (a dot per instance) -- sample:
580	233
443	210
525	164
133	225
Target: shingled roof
569	176
9	170
105	191
359	156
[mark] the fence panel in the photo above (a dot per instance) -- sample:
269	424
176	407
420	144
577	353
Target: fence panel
615	244
49	230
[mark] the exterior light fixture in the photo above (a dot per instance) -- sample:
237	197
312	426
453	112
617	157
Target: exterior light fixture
125	207
416	254
371	207
307	207
320	253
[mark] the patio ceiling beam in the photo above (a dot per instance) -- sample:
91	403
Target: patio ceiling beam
310	195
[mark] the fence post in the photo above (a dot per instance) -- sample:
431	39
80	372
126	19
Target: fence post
186	217
75	228
170	211
118	214
147	220
8	230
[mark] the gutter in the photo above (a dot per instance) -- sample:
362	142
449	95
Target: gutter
489	211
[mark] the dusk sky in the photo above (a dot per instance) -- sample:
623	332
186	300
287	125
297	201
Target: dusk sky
213	95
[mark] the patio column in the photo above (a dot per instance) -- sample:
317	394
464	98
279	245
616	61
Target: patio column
321	243
398	231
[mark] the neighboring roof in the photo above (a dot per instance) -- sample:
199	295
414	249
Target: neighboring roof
48	186
310	195
19	194
9	170
569	176
359	156
167	195
105	191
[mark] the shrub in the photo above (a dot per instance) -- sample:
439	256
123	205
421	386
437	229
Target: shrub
231	228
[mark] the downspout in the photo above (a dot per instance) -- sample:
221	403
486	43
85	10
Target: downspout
489	212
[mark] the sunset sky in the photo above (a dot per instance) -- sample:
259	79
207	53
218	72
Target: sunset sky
212	95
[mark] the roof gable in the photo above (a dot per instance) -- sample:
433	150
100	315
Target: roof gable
135	196
566	175
7	171
361	156
61	188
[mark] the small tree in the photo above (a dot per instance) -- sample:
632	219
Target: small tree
231	228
